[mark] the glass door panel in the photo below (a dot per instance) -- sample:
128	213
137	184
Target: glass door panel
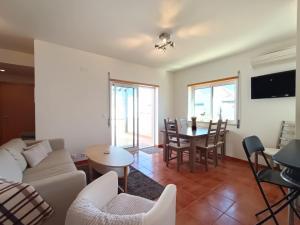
146	116
133	115
124	116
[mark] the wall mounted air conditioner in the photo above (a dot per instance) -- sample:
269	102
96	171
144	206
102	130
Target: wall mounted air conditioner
277	56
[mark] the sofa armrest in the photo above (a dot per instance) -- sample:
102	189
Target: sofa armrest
57	143
60	191
102	190
164	210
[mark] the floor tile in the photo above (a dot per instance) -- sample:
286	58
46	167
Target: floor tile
218	201
203	212
225	195
226	220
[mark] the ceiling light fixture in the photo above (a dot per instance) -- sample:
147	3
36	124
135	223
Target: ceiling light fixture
164	42
2	70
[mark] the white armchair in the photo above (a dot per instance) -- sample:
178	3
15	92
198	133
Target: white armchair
99	204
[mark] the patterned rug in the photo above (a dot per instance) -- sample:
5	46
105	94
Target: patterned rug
138	184
141	185
151	150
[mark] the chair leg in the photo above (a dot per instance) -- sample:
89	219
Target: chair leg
269	208
178	159
205	160
286	197
278	210
222	151
168	156
181	157
215	153
291	203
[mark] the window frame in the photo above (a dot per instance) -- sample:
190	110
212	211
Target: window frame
211	84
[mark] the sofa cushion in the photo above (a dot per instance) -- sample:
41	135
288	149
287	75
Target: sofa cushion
9	168
15	147
54	159
36	173
125	204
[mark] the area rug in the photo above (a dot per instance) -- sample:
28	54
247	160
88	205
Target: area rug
141	185
151	150
138	184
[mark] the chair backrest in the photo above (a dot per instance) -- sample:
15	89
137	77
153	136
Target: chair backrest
171	128
212	133
164	210
183	123
223	127
251	146
287	133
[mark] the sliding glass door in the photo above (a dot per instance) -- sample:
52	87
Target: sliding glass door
146	115
124	114
133	115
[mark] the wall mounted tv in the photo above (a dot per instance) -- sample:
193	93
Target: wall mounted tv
275	85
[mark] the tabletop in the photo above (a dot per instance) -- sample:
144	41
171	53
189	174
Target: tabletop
188	132
289	155
108	155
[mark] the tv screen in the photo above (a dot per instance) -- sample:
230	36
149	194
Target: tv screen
274	85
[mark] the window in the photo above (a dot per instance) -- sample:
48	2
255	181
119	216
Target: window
213	100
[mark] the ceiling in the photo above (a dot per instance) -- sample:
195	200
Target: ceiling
201	29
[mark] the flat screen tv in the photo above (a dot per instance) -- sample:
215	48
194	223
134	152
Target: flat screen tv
275	85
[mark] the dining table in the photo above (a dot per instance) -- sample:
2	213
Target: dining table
193	136
289	157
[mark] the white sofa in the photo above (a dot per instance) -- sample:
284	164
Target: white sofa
55	178
99	204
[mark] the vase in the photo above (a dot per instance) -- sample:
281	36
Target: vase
194	123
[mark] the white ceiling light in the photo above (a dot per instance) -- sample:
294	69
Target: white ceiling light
2	70
164	42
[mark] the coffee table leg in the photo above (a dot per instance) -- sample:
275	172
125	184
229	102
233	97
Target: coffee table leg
91	175
125	178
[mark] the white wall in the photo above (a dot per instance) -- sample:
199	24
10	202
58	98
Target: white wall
71	93
14	57
260	117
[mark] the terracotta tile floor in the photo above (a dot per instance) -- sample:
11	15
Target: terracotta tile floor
225	195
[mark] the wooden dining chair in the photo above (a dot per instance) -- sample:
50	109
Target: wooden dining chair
222	138
210	145
173	143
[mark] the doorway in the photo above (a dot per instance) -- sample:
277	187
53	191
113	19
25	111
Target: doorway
17	109
133	115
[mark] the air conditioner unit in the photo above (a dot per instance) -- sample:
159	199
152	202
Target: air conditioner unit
277	56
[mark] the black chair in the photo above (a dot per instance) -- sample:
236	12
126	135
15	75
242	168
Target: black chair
253	145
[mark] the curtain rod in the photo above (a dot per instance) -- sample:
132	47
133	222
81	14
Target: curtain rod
214	81
133	82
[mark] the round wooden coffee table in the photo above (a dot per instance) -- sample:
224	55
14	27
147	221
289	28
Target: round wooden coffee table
110	156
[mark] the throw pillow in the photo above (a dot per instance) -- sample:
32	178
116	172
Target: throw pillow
9	167
45	143
47	146
21	204
15	147
35	155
